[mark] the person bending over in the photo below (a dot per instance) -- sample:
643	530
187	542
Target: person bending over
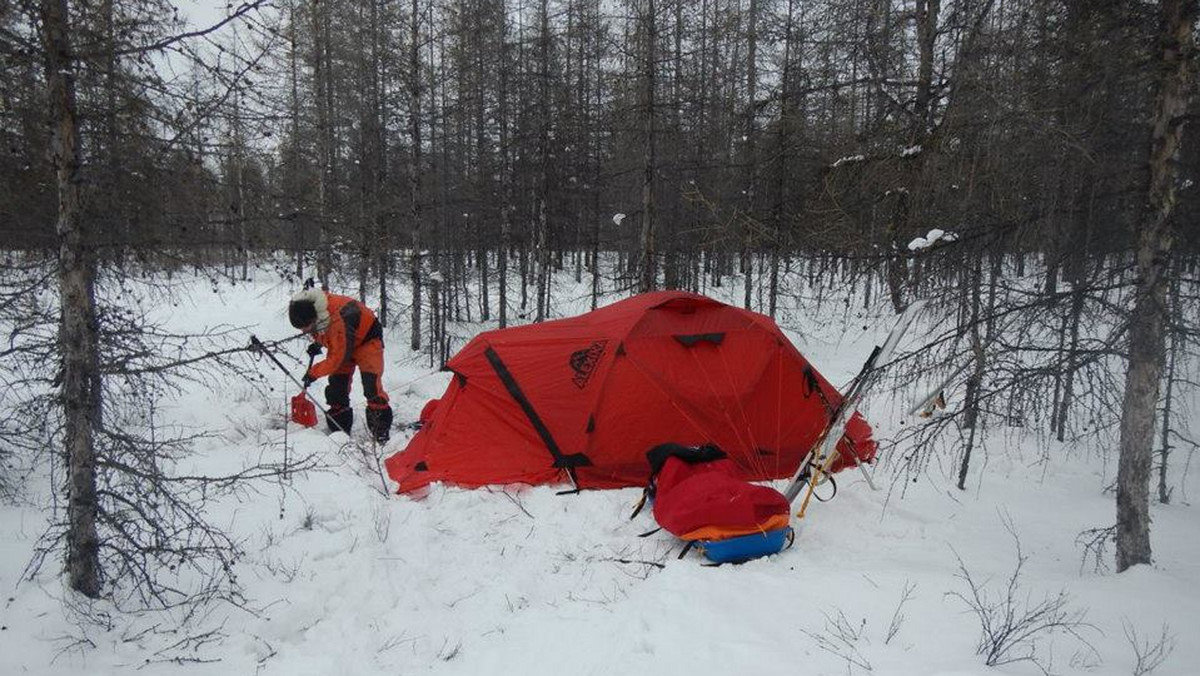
351	334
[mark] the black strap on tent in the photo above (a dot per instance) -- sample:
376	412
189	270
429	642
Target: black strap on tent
561	460
811	385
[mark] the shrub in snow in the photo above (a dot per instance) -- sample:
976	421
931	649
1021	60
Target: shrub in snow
1148	653
1012	624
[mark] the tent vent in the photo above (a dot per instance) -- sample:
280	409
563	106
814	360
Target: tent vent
695	338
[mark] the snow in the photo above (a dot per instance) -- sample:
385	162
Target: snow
617	218
848	159
911	150
343	579
932	237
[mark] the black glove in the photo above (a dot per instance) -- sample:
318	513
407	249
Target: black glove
307	379
314	349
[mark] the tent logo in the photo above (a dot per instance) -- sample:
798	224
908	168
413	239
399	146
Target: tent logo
583	362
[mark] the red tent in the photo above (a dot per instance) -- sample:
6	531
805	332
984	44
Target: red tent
585	398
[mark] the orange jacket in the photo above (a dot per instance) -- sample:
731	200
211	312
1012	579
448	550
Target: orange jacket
350	325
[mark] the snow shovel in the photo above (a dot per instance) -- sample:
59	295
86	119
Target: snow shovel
304	412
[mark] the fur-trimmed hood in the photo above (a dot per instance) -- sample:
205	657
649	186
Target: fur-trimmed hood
320	301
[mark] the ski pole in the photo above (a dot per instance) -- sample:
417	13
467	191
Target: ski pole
865	474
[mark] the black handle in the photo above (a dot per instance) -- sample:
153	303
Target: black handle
311	357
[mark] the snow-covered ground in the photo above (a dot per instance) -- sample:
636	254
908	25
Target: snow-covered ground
341	579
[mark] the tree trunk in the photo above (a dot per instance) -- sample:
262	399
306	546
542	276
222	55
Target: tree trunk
975	381
541	238
523	263
649	274
238	212
506	194
80	374
414	170
435	321
596	160
380	174
596	252
783	165
322	83
927	26
1164	453
1059	423
751	159
293	196
1150	312
897	270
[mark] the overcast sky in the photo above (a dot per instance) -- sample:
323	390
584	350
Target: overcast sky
202	13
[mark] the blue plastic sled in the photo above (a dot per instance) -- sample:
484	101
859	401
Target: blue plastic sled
746	547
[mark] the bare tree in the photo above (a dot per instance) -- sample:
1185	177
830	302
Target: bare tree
79	378
1150	313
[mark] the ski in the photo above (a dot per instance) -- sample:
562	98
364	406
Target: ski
867	376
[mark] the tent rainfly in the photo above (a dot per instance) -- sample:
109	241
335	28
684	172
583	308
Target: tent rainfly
583	399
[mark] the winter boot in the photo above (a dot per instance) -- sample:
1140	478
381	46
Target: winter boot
379	421
340	418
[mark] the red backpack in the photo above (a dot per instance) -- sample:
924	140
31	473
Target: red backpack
700	497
